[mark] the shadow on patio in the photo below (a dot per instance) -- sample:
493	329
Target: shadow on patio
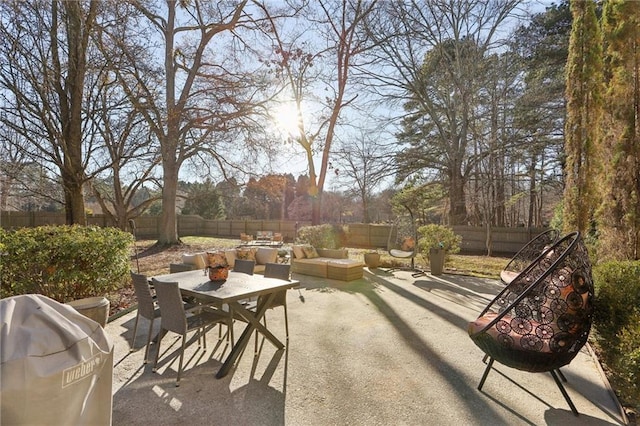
385	349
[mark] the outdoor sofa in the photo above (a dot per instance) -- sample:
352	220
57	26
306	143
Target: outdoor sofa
261	255
327	263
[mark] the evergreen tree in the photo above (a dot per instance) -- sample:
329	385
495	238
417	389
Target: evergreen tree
619	215
205	201
584	81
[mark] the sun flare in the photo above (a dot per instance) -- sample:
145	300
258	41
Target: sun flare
286	118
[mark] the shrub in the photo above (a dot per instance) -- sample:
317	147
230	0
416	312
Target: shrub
617	322
438	236
323	236
64	262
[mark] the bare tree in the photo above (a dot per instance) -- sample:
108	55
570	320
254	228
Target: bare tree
363	165
339	26
47	51
431	57
202	110
129	149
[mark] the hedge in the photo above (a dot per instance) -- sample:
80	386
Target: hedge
64	262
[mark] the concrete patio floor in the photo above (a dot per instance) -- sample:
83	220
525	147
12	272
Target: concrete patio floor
387	349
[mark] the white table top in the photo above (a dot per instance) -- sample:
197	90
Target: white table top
237	286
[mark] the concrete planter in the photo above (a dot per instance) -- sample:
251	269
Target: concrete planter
96	308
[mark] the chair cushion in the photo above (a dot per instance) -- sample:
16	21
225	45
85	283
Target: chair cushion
507	276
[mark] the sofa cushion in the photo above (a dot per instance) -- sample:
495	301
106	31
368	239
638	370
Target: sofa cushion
298	253
315	261
198	260
344	269
310	252
231	257
266	255
334	253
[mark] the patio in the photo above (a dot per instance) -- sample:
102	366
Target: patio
385	349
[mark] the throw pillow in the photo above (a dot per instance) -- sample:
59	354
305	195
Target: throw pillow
408	244
310	252
266	255
197	259
297	252
231	257
246	254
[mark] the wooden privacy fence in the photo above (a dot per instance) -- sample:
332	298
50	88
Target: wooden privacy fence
505	241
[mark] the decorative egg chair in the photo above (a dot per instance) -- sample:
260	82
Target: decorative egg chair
542	318
402	243
528	254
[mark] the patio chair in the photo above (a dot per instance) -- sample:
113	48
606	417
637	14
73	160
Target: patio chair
283	272
402	243
244	266
541	319
174	318
147	308
528	254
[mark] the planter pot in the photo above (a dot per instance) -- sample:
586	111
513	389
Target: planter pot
436	260
96	308
372	260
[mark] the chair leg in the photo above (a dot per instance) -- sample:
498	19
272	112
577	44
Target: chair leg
146	351
486	373
160	336
133	338
564	393
204	337
564	379
184	338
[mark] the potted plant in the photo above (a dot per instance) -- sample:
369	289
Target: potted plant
437	241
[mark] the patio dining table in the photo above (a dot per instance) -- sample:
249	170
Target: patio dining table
236	288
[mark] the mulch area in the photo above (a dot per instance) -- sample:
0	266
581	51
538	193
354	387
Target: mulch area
151	261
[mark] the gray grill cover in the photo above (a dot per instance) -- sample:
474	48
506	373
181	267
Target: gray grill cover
56	365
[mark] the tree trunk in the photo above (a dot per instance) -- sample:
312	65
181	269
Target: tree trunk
168	233
74	204
458	212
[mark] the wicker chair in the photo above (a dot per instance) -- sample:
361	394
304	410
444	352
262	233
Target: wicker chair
528	254
244	266
283	272
540	321
175	319
147	308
